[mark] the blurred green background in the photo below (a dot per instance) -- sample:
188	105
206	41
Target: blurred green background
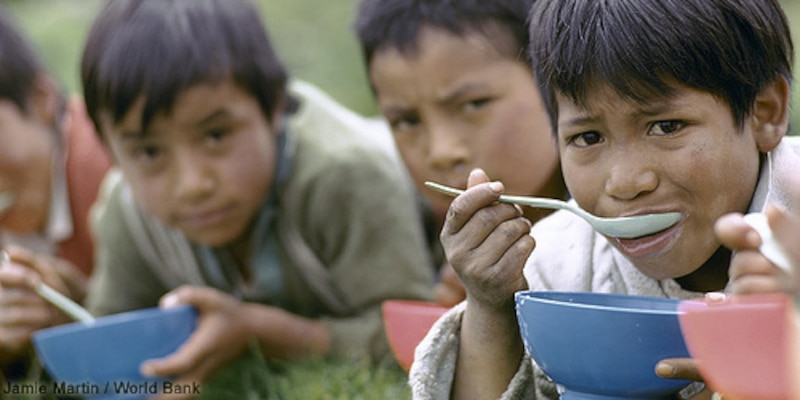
314	38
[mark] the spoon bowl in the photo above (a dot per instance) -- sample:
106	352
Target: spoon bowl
621	227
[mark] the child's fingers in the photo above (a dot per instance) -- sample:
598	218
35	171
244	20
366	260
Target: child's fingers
506	235
183	361
463	207
734	233
753	284
39	268
750	262
204	299
678	368
15	275
476	177
175	364
484	237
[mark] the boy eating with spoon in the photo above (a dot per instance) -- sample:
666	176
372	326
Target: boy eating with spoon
657	106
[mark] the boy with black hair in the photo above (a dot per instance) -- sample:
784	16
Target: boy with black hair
454	84
51	166
255	199
678	106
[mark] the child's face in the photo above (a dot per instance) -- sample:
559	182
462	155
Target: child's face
683	153
27	145
458	103
205	168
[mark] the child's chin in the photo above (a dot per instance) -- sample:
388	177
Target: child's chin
211	238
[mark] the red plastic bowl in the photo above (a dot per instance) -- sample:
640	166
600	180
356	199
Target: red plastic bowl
746	347
407	322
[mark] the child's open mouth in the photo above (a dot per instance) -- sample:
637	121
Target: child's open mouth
650	245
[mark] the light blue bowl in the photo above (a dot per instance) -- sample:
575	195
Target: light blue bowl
102	359
602	346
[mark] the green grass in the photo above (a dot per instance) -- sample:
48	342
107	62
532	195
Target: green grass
252	378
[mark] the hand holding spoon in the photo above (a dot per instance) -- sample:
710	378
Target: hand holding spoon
64	303
622	227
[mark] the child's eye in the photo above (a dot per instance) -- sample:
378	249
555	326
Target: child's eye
404	123
666	127
147	154
477	104
585	139
215	136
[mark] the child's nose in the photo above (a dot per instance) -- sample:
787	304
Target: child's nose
629	177
194	178
447	148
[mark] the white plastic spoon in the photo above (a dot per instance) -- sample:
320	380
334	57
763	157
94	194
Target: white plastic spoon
622	227
64	303
770	247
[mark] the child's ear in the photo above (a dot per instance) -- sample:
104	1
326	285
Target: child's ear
770	119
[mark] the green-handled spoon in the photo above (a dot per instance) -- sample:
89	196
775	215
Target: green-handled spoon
621	227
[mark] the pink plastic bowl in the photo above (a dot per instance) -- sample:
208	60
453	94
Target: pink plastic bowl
746	347
407	322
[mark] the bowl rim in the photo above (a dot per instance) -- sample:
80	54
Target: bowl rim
540	296
113	319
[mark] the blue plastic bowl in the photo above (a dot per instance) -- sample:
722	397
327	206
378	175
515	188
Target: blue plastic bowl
102	359
602	346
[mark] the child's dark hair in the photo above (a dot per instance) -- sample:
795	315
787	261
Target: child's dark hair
20	66
644	48
156	49
396	23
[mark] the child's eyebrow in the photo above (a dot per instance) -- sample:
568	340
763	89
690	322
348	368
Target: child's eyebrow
395	111
643	112
460	91
213	117
653	109
135	134
580	120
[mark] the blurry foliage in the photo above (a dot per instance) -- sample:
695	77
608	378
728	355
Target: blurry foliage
314	38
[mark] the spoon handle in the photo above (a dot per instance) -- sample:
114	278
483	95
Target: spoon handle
536	202
64	303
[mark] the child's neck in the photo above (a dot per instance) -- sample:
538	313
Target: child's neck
712	276
240	251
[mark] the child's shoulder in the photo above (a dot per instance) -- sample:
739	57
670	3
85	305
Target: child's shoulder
325	138
325	125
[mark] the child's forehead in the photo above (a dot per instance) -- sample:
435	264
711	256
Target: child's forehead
604	98
498	41
193	99
639	94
